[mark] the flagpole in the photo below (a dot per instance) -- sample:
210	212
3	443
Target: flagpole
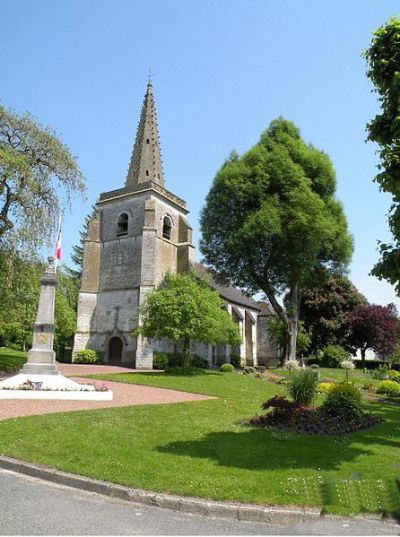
58	243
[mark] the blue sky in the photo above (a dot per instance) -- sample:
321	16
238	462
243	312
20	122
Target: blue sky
223	69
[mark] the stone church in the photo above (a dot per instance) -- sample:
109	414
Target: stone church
140	232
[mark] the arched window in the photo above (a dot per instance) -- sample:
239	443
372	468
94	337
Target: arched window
122	225
167	226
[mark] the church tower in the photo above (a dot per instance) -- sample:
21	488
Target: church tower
139	233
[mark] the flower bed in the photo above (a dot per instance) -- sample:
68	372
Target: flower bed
308	420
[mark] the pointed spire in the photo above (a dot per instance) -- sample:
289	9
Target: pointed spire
146	164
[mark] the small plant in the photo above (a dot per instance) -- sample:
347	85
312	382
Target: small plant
235	360
382	373
394	375
303	387
87	356
334	355
227	368
343	402
368	386
347	365
388	387
325	387
291	365
160	360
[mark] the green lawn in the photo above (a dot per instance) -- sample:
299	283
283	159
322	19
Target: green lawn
11	360
203	449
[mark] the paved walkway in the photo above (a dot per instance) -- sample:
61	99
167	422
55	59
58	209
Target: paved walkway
124	395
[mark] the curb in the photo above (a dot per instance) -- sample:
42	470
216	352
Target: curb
189	505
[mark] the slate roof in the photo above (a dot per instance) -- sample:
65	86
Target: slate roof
229	293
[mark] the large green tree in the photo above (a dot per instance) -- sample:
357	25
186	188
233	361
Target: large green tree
324	309
185	309
38	174
383	63
271	219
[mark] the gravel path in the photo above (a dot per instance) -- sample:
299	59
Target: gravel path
124	395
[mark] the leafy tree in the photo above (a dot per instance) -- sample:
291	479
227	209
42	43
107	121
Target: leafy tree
34	164
271	219
78	249
324	309
65	310
185	309
373	327
19	296
383	63
277	332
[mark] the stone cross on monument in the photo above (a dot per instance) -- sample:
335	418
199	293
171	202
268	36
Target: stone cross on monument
41	357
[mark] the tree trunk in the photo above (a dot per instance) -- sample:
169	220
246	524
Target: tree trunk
186	352
363	357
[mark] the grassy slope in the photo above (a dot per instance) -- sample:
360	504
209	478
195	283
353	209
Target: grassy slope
202	448
11	360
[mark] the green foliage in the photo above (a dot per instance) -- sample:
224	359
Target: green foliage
34	166
388	387
227	368
394	375
276	331
185	309
199	362
383	62
78	249
343	402
334	355
395	358
11	360
324	308
160	360
303	386
87	356
271	218
381	373
235	360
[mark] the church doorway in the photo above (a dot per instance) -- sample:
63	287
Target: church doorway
115	351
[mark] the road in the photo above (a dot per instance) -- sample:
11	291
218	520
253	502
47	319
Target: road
29	506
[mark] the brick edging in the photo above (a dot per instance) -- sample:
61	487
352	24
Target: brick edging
237	511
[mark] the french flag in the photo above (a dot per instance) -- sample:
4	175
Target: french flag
58	243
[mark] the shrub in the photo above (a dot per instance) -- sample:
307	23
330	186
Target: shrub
227	368
200	362
160	360
291	365
87	356
174	360
394	375
381	373
235	360
343	402
388	387
325	387
303	386
368	386
334	355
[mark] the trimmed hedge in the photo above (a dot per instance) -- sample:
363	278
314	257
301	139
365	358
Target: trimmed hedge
87	356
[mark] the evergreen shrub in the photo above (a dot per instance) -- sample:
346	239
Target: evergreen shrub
227	368
87	356
160	360
343	402
235	360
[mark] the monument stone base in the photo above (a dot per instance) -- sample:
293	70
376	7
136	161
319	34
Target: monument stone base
52	386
